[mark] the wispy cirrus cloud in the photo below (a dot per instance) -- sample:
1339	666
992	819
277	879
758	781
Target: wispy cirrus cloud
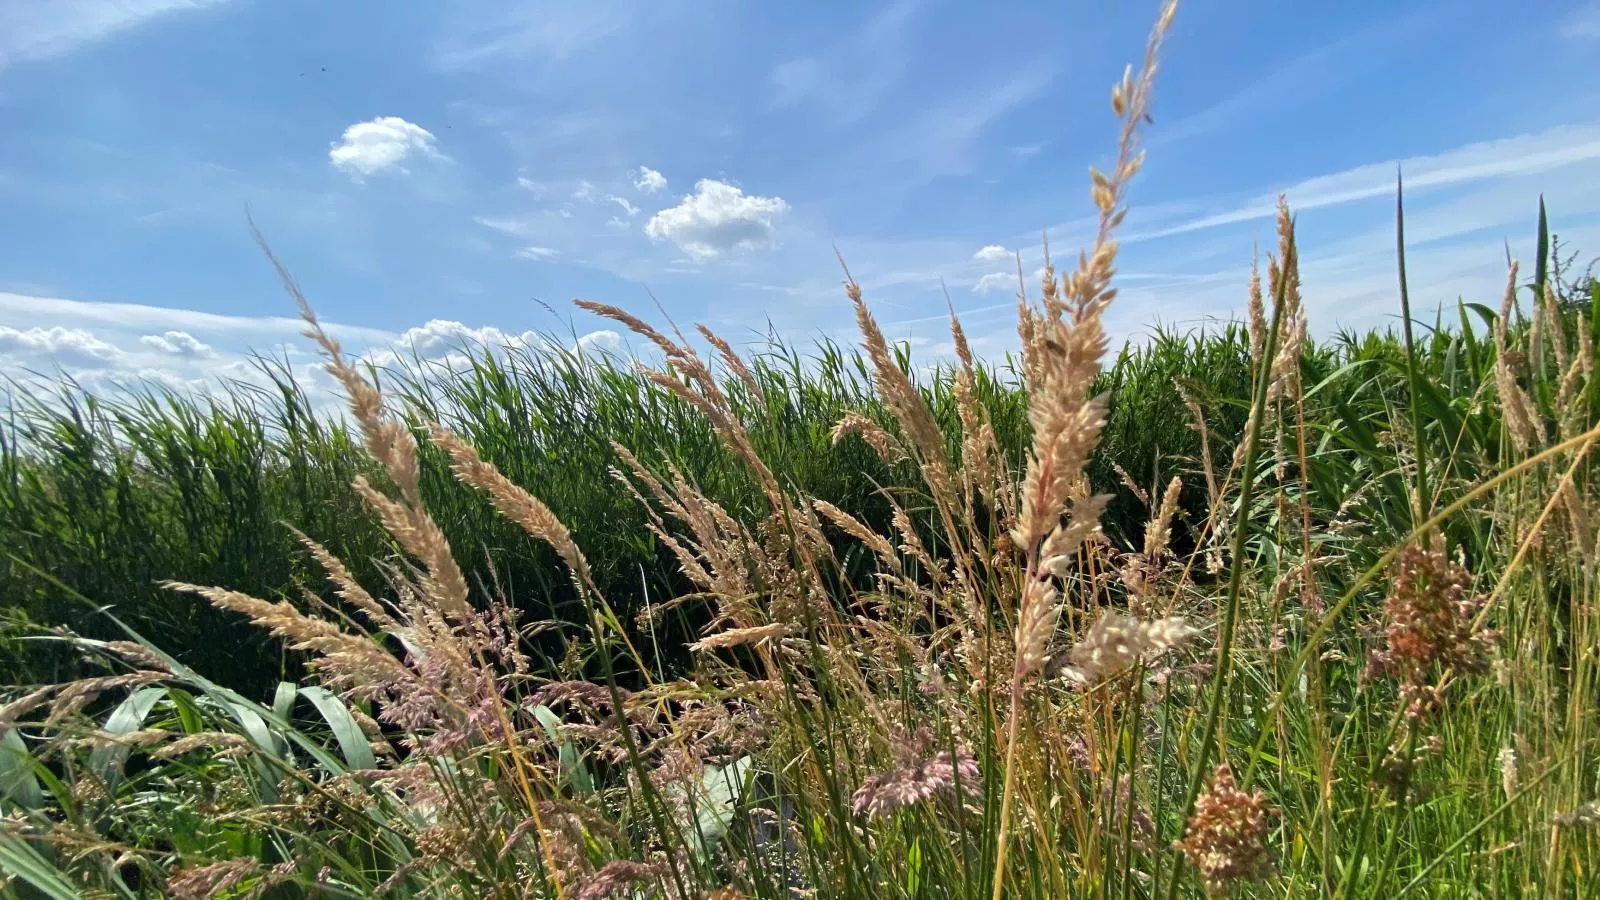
1526	154
41	29
1318	71
844	83
487	32
1583	22
19	309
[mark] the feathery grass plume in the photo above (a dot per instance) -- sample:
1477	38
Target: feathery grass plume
886	793
854	527
909	408
221	743
344	659
1132	486
1521	421
741	637
1431	620
346	586
392	445
1226	837
67	700
513	502
701	392
1116	643
1158	531
1199	426
614	879
1556	334
143	738
135	654
888	448
1140	570
1062	355
1285	368
1586	815
1509	776
214	880
978	451
735	364
1256	310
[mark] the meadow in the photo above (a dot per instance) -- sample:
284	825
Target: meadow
1230	613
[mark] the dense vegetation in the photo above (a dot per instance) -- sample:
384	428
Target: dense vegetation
111	495
1235	612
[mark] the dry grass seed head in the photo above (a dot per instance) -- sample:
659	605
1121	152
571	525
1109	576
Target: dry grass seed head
1226	837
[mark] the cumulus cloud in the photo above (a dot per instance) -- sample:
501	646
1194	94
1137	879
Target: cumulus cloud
382	143
439	337
992	253
717	218
67	346
627	207
113	381
604	341
649	180
178	343
995	281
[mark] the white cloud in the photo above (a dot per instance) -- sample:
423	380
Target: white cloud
649	180
20	308
179	343
68	346
539	253
494	31
41	29
382	143
440	337
995	281
1527	154
992	253
604	341
627	207
1583	23
717	218
103	382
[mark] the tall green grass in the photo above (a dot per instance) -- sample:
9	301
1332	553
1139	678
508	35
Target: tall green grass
111	494
1299	718
1335	635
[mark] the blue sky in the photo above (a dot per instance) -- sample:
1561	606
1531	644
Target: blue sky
430	170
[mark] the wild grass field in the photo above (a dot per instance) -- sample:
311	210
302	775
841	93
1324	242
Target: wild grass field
1233	613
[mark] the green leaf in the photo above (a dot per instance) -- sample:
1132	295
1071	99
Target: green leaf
572	767
18	783
352	740
107	759
712	802
283	699
22	861
1542	251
